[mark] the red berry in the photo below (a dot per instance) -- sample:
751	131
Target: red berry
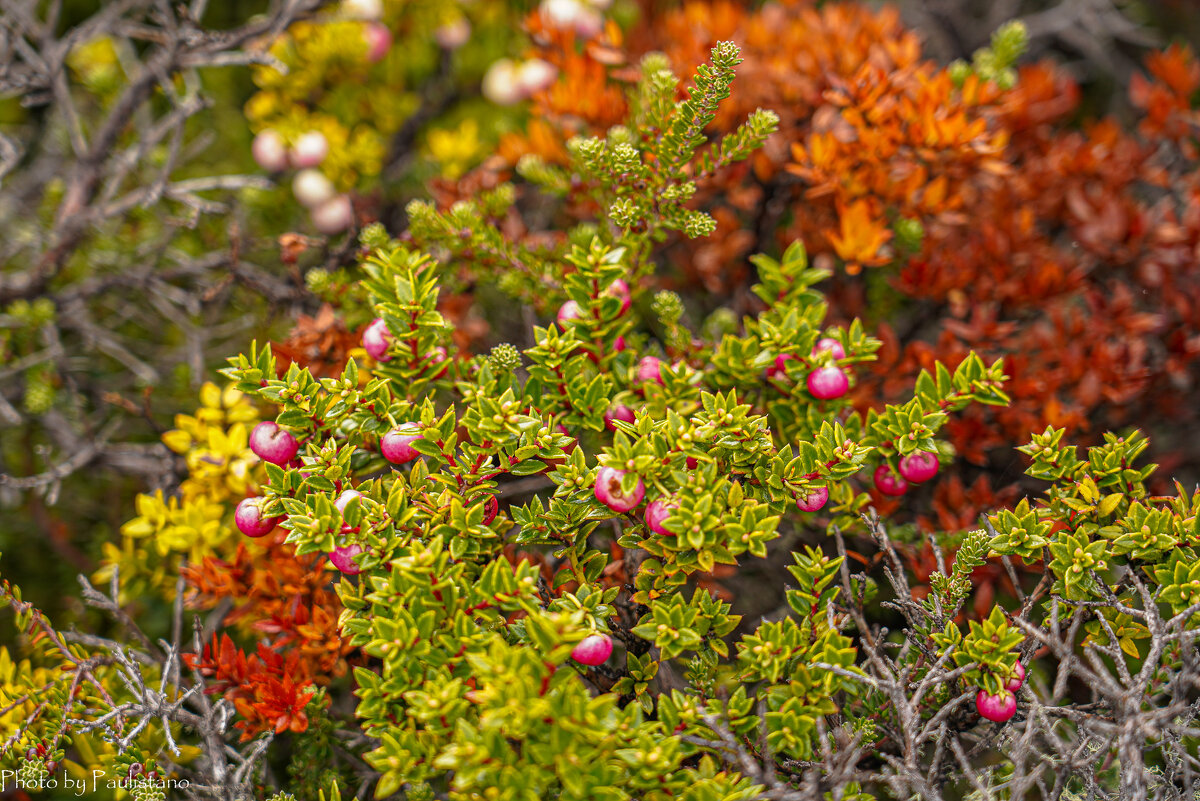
491	507
1018	677
996	707
567	312
618	411
692	462
919	466
343	558
829	344
657	512
812	500
396	445
377	339
828	382
888	482
594	650
249	518
608	490
649	369
272	443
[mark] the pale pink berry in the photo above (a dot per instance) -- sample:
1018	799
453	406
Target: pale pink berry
620	289
593	650
1018	677
249	518
919	466
657	511
501	84
618	411
312	188
828	382
561	13
588	24
829	344
334	215
813	499
344	499
890	483
309	150
270	151
649	369
608	490
567	312
379	41
376	339
999	707
272	443
778	370
535	75
396	445
343	558
453	35
363	9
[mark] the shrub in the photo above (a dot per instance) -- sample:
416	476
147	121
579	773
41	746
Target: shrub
475	576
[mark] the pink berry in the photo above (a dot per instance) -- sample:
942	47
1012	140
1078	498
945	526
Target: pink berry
396	445
829	344
620	289
491	507
649	369
996	707
619	344
379	41
249	518
567	312
657	512
813	499
334	215
828	382
779	369
453	35
270	151
344	499
593	650
272	443
1018	678
343	558
376	339
608	490
888	482
436	357
618	411
919	466
310	150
